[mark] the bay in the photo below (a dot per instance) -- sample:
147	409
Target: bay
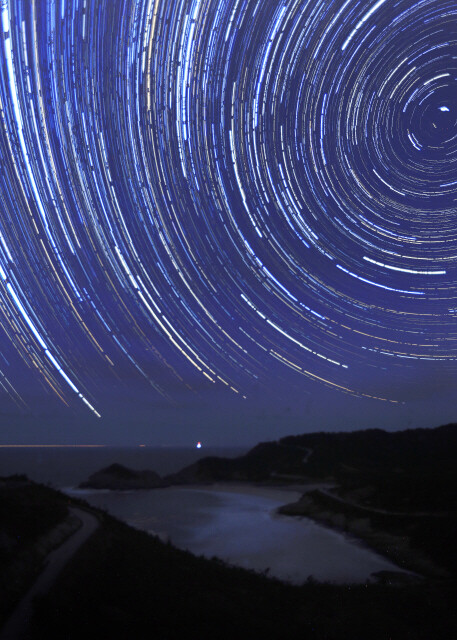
240	526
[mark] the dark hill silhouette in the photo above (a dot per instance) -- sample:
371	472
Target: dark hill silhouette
411	469
416	466
117	477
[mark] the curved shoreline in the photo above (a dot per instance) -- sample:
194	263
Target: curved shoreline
395	548
306	542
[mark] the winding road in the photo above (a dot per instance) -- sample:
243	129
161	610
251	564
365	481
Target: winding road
370	510
17	625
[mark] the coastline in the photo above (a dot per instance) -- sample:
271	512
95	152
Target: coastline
280	496
395	537
124	581
259	489
298	499
395	548
411	564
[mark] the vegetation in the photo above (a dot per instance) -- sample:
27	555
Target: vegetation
394	490
126	584
422	543
412	469
28	512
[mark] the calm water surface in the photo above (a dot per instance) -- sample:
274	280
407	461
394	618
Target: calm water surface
243	529
239	526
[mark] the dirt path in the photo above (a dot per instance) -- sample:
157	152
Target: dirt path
17	625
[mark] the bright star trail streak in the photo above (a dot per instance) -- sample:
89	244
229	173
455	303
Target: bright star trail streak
226	193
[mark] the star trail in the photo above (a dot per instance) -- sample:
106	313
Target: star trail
228	194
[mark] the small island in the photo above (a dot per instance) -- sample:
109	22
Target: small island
116	477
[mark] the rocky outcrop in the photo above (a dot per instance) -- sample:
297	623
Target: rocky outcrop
119	478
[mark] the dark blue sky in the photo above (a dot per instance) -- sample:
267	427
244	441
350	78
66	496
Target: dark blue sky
226	220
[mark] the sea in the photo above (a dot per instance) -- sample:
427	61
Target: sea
237	523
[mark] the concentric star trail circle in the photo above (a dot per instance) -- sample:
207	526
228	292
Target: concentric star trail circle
227	192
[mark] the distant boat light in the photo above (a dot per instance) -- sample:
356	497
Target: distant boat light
199	445
444	108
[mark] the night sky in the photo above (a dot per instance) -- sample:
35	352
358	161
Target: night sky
226	220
